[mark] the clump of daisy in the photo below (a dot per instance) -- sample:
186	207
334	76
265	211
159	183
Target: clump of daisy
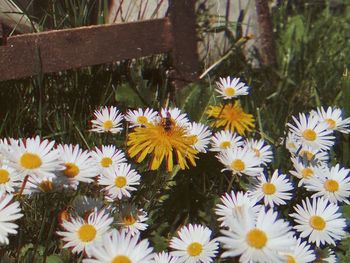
80	234
9	212
333	117
232	202
201	135
107	156
194	244
231	117
120	247
167	139
331	183
79	166
274	191
319	221
240	161
140	117
261	238
107	119
229	89
310	132
224	140
262	150
119	181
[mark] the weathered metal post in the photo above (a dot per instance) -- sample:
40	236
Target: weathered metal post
184	53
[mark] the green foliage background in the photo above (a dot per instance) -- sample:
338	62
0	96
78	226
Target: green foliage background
312	39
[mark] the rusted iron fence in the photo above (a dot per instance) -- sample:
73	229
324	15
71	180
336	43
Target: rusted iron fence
52	51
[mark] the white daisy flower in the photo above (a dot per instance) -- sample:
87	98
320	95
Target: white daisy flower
240	161
119	247
133	222
326	255
234	201
164	257
331	183
34	157
261	238
275	191
9	212
80	234
308	155
304	171
302	253
229	89
108	119
140	117
224	140
333	118
9	179
119	181
41	185
79	166
176	116
319	221
194	245
202	136
262	150
107	156
312	133
292	143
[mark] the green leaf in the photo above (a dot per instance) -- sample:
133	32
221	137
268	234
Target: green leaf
54	259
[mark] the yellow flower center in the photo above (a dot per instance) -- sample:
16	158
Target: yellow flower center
106	162
257	152
107	125
71	170
307	172
87	233
46	186
225	145
331	123
238	165
4	176
121	259
230	92
142	120
317	222
256	238
30	161
309	135
120	181
194	249
194	139
129	220
331	185
290	259
309	155
269	188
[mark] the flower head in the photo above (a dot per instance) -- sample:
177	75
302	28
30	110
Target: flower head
301	253
107	156
262	150
224	140
80	234
275	191
231	117
201	135
229	89
333	118
319	221
107	119
164	139
140	117
119	247
194	245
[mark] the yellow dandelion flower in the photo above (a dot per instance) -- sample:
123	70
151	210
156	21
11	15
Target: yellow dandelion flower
162	140
232	117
